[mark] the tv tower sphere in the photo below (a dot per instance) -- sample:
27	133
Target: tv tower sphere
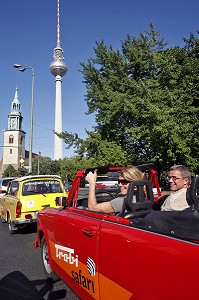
58	67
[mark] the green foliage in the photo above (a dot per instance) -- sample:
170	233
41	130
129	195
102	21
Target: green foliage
70	166
45	166
10	172
145	100
65	168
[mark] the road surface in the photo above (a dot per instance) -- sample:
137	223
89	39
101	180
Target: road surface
21	272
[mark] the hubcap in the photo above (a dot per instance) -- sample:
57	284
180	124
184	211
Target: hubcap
46	259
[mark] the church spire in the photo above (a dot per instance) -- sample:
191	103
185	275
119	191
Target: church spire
15	118
15	106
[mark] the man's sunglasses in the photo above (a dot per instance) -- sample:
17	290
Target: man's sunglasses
174	178
123	181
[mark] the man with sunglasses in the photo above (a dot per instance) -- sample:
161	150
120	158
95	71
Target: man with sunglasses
179	178
127	175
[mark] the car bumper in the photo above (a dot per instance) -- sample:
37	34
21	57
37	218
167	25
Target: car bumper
26	221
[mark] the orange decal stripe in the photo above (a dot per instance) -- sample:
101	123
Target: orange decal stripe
112	290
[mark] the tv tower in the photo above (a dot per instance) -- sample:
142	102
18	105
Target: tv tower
58	69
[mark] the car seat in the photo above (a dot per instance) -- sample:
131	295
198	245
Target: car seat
139	198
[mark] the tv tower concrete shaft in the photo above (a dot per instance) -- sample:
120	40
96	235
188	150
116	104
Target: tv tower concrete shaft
58	69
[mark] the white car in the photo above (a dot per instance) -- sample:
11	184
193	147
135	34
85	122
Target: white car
110	182
4	184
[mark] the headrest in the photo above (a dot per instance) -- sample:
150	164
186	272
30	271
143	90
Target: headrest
194	191
143	193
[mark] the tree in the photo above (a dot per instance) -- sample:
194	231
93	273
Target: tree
44	165
10	172
145	100
70	166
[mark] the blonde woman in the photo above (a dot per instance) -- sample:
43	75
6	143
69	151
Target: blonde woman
127	175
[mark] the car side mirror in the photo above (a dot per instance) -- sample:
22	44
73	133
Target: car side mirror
61	201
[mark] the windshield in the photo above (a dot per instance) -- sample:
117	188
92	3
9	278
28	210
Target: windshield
4	182
14	187
41	187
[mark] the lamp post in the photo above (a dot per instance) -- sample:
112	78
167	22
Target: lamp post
22	68
38	163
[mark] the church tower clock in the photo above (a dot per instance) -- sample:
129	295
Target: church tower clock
14	136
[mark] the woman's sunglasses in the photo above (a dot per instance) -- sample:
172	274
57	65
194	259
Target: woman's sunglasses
123	181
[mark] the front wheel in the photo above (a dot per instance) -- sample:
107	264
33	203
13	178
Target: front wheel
45	261
3	220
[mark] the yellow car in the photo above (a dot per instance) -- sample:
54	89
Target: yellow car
26	196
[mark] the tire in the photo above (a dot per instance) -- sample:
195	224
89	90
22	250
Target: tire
11	227
45	261
3	220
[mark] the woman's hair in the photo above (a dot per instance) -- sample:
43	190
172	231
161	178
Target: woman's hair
132	173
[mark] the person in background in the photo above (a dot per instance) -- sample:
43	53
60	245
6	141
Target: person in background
127	175
179	179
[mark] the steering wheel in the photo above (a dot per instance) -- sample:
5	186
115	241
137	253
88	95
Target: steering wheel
107	195
104	191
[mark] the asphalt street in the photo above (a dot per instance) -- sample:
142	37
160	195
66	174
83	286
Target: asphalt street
21	271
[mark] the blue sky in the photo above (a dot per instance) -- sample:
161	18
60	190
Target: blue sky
28	36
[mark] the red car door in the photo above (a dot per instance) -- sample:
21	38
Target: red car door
74	250
141	265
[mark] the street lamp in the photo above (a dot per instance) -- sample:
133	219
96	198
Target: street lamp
22	68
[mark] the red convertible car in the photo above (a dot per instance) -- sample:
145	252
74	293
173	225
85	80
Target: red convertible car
141	254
